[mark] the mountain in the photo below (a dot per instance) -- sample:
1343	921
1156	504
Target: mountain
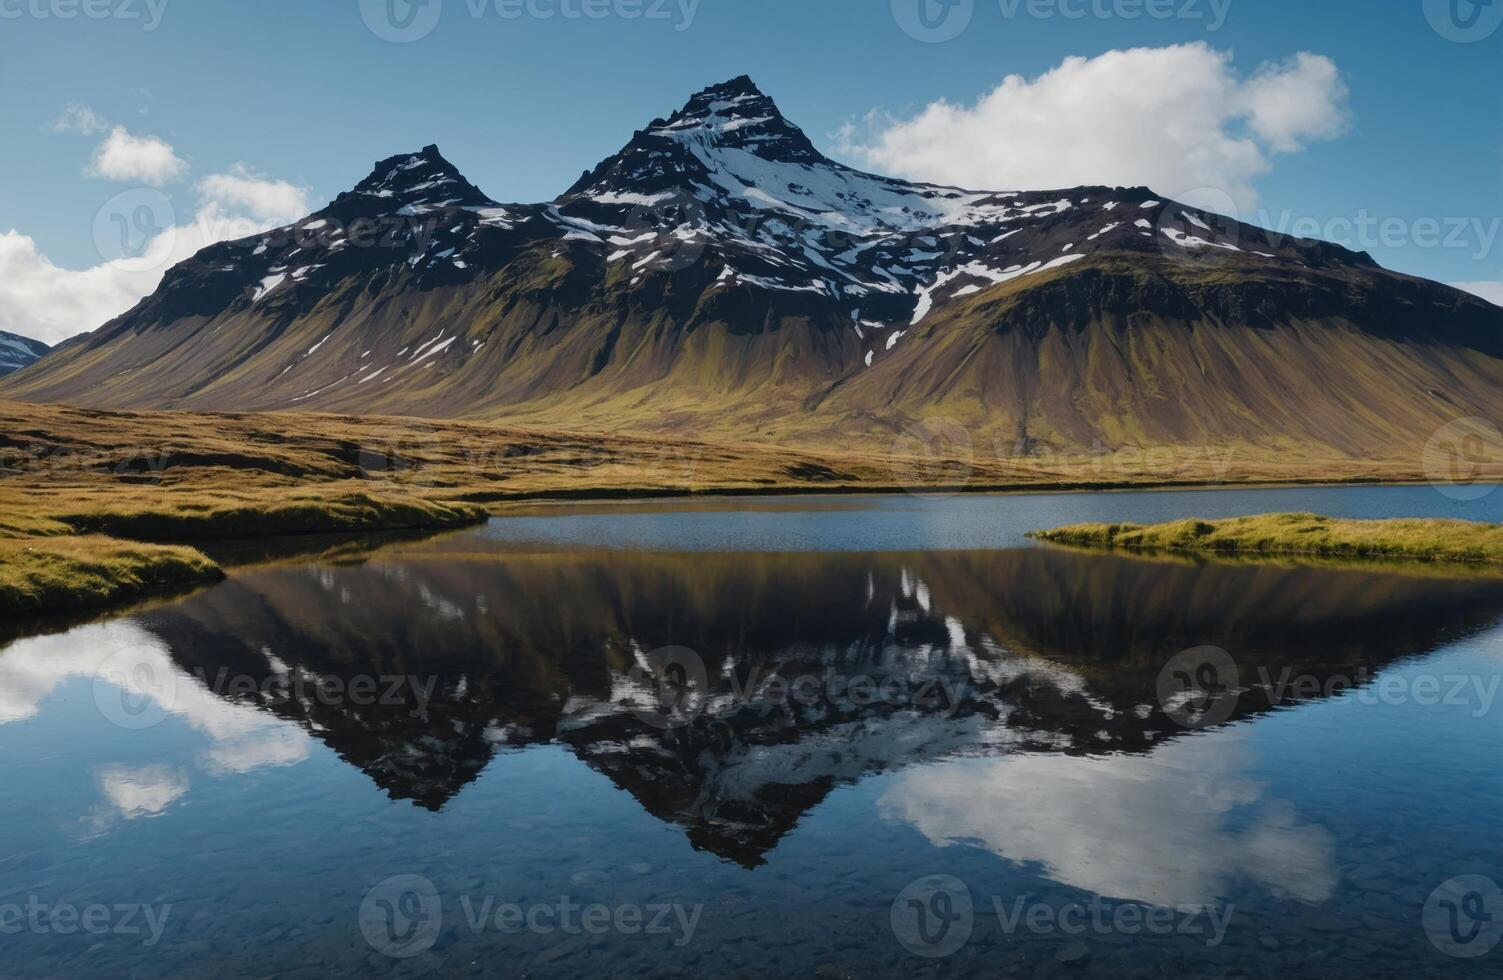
720	276
17	352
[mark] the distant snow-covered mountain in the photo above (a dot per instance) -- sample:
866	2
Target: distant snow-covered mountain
17	352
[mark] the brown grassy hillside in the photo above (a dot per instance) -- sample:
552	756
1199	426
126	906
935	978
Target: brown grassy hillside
1099	356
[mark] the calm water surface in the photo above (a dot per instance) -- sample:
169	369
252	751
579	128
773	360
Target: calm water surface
783	737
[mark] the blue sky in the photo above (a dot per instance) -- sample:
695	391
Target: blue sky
305	96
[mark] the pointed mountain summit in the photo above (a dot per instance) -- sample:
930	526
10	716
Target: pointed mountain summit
732	116
418	178
720	276
736	114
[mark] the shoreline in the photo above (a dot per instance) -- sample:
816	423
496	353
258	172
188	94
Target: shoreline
138	480
1295	536
61	565
609	495
69	569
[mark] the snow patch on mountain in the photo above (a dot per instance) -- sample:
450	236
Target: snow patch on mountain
17	352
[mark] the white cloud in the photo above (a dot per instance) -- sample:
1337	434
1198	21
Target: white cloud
1176	827
262	749
146	159
241	189
1490	291
1297	101
1178	119
132	672
77	117
141	791
42	300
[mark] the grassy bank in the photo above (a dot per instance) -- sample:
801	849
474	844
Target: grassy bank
57	564
165	517
112	552
55	573
101	556
1298	535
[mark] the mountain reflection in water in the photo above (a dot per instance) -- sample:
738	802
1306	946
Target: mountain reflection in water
1021	689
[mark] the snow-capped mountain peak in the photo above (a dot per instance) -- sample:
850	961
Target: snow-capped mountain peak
728	174
726	183
733	117
418	178
736	114
17	352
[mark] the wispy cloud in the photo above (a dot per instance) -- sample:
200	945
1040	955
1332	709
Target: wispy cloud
77	117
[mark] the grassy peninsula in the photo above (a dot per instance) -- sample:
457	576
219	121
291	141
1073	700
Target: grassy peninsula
1307	535
104	556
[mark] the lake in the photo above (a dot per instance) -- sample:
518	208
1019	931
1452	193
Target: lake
844	736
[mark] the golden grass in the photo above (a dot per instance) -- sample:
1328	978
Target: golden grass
78	559
167	517
171	477
18	520
1299	534
67	572
72	460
